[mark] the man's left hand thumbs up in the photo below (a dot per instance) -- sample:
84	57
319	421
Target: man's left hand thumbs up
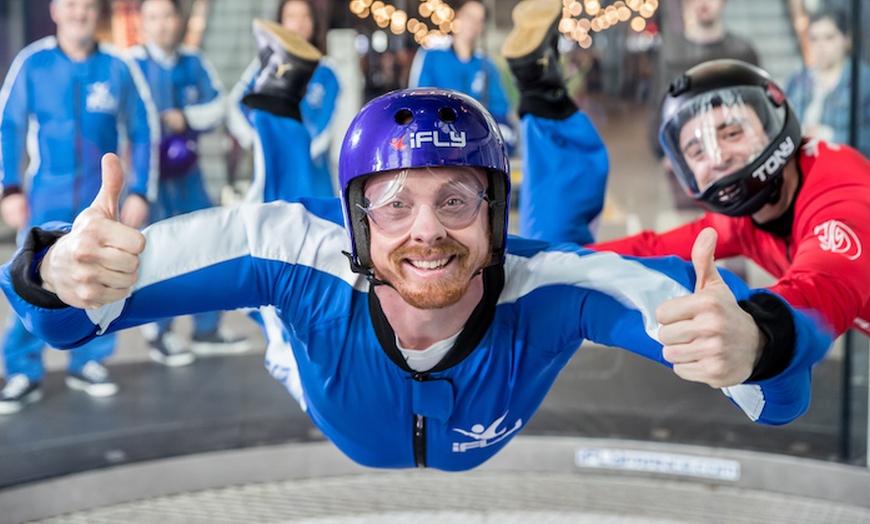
706	273
707	336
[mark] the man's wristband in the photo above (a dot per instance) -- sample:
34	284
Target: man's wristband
26	280
11	190
774	318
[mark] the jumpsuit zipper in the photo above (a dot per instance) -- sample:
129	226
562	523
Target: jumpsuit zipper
419	441
420	430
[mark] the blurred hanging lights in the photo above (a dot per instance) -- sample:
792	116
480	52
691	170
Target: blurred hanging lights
579	18
387	15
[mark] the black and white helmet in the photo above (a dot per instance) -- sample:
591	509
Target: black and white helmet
729	131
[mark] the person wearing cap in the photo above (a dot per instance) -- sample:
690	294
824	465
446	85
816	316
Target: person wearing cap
421	334
190	100
797	207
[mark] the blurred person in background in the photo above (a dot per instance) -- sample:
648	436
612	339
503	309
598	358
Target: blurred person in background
460	64
65	99
317	109
189	97
821	93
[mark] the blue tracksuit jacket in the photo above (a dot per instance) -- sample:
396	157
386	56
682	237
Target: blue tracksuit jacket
186	81
68	115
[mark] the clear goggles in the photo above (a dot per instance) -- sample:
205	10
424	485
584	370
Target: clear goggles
453	193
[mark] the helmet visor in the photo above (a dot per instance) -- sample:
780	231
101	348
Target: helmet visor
714	136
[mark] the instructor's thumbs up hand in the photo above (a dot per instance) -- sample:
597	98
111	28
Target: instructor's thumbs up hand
707	336
97	262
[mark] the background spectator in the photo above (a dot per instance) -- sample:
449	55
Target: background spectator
190	100
463	66
73	95
821	93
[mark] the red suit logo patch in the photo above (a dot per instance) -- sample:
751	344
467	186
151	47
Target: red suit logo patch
837	237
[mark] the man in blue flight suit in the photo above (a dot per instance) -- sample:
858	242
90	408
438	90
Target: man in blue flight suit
71	95
190	99
439	339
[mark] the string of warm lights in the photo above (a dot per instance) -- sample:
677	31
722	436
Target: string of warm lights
387	15
579	28
579	19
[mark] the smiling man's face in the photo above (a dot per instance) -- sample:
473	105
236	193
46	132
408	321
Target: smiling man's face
444	235
76	20
720	142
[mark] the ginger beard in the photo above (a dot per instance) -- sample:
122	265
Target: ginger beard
439	292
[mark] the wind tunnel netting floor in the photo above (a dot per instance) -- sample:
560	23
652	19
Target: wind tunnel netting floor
475	498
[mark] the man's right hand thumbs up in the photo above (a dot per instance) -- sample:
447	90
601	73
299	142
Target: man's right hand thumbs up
110	191
98	261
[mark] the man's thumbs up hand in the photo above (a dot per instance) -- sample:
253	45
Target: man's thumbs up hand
98	261
707	336
706	273
110	191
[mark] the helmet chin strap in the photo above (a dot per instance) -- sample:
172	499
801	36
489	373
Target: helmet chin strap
774	196
777	192
375	281
365	270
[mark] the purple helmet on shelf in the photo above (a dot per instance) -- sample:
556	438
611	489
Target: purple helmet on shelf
424	127
178	154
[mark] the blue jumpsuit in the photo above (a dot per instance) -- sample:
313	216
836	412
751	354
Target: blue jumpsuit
343	366
317	108
185	81
67	114
562	196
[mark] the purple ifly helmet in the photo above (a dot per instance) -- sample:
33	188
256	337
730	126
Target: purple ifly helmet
424	127
178	154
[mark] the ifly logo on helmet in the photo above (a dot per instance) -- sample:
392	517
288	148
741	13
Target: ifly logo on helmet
776	160
436	138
